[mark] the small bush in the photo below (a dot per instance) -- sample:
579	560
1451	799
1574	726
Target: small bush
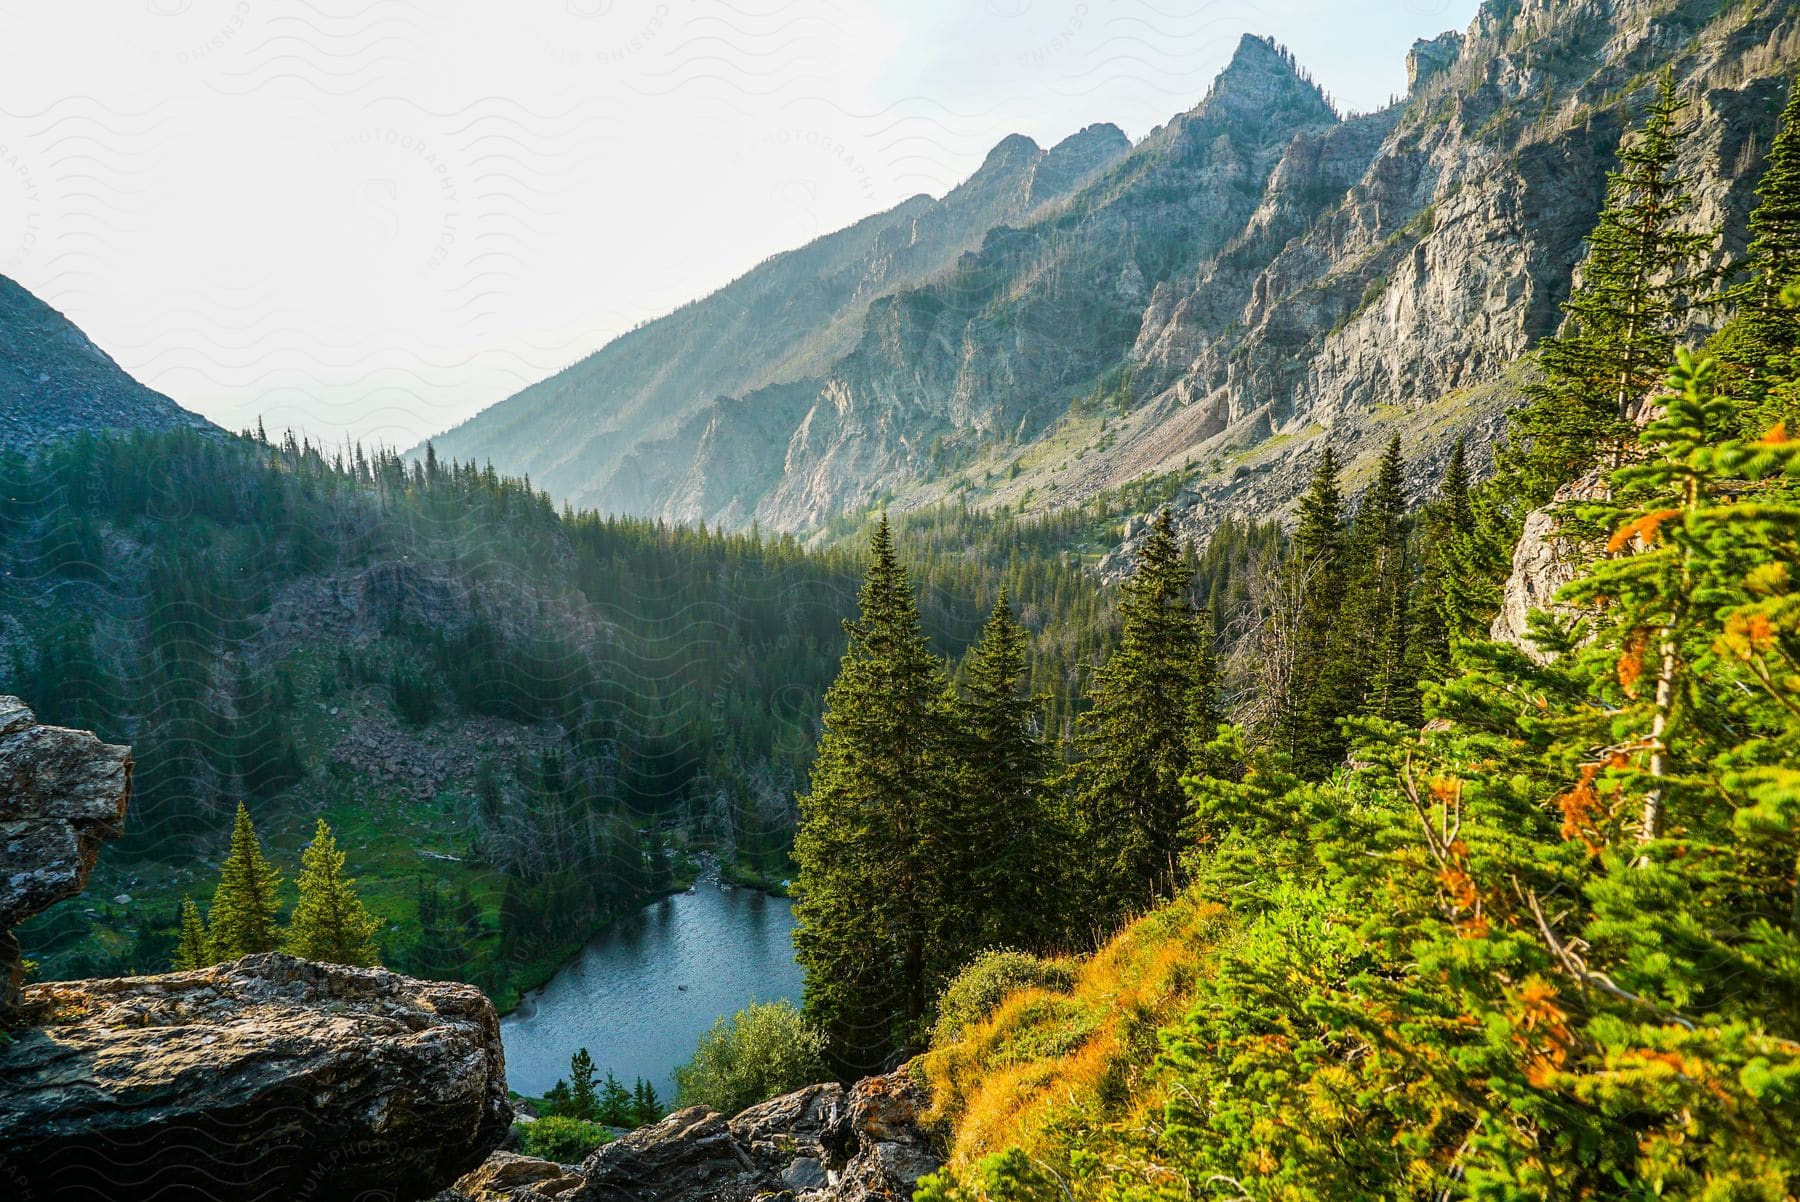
765	1050
977	991
564	1140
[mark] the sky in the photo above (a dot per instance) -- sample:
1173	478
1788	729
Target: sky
370	220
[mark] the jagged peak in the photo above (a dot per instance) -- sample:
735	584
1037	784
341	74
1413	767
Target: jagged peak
1254	48
1260	68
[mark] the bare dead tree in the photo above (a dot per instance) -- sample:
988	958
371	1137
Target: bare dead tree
1261	641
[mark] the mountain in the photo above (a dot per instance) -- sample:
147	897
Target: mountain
1256	277
614	430
55	383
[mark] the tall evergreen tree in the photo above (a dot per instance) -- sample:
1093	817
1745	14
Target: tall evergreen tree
1454	500
1754	346
1375	639
329	922
1003	764
190	952
870	836
1316	696
584	1096
1147	700
242	917
1643	272
1450	604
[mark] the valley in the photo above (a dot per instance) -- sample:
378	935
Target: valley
1256	662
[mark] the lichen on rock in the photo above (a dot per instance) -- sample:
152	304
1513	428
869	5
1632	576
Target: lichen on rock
267	1078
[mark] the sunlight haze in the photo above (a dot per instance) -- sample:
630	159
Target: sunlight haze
373	220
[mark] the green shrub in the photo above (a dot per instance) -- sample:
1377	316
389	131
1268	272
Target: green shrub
977	991
564	1140
765	1050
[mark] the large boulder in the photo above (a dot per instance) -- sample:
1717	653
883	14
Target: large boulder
794	1137
510	1177
1543	561
818	1144
62	792
265	1078
888	1146
688	1157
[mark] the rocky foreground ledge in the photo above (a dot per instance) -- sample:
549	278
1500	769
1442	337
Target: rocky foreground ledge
819	1144
265	1078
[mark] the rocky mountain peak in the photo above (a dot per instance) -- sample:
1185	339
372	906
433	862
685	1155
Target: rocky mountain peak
1262	77
1087	149
1248	279
1081	154
1011	151
1431	57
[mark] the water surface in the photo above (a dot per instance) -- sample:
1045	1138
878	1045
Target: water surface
640	994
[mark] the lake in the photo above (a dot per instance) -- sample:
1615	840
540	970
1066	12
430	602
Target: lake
641	993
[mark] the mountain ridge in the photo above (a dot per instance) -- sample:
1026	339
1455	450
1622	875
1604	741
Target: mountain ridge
56	383
1255	276
781	321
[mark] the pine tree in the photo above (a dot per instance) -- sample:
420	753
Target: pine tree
1375	638
1754	346
612	1105
584	1098
1774	251
1136	737
1453	499
870	837
1642	274
191	952
329	922
646	1107
1451	602
1315	696
1003	762
242	917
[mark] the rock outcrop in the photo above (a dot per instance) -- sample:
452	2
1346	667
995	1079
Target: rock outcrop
818	1144
510	1177
265	1078
888	1149
62	793
1542	563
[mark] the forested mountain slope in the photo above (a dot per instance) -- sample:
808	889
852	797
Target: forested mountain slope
488	699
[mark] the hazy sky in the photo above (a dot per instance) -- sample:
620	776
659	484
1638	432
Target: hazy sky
376	218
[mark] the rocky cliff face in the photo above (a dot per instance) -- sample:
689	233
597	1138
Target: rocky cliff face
1253	279
62	792
54	383
618	429
995	349
1543	561
1405	305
